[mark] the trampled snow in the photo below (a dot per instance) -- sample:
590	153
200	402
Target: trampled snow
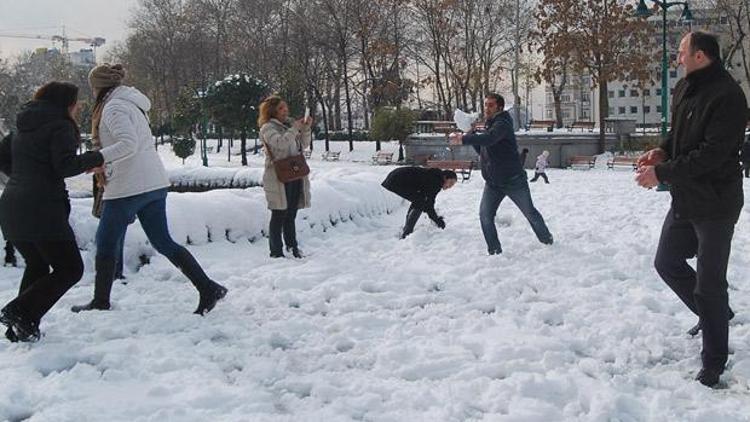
369	327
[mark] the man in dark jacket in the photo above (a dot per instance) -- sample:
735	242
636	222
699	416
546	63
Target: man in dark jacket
419	186
699	160
502	171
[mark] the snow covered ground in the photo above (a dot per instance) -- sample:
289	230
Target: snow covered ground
371	328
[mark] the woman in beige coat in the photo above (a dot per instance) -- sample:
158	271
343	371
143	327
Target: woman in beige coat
285	138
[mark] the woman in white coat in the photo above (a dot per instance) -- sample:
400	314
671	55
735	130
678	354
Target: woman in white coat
284	138
135	186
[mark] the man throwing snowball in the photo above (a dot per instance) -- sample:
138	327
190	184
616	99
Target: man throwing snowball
502	171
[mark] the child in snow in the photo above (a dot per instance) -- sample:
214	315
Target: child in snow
541	167
419	186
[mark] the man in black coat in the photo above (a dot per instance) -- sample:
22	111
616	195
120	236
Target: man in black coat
419	186
699	161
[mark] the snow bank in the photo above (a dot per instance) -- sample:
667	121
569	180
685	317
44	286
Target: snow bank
338	195
216	177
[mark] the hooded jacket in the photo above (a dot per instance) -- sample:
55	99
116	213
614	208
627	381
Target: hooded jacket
34	205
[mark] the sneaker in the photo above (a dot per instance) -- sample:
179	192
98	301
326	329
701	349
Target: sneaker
94	305
296	252
21	328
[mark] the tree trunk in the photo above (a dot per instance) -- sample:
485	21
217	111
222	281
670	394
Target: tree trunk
556	95
243	146
350	120
603	112
221	140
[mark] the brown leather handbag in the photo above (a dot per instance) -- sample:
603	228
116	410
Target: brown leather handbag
291	168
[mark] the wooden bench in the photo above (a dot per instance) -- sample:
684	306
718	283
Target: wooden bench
461	167
382	158
331	155
582	162
582	125
307	153
444	129
541	124
622	162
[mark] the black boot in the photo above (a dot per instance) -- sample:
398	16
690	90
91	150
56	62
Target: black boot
11	336
709	377
210	292
699	326
105	275
296	252
22	328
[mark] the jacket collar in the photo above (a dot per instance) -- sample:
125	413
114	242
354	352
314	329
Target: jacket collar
706	74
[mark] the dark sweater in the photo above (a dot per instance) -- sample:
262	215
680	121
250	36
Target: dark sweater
709	115
34	205
417	185
497	149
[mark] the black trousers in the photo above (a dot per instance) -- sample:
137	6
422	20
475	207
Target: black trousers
704	289
283	221
41	288
412	217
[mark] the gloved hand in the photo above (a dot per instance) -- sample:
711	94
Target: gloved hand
440	222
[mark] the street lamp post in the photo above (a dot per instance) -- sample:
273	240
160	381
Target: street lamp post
687	16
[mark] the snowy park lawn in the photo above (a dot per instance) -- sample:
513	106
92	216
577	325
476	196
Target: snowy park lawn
371	328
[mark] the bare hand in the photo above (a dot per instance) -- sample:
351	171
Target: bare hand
308	121
646	177
456	138
651	158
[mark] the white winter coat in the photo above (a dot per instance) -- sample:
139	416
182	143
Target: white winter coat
541	163
132	164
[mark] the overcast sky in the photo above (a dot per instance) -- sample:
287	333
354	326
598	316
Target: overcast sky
82	18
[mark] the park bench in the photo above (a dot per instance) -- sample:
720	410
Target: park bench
582	126
461	167
541	124
622	162
582	162
382	158
331	155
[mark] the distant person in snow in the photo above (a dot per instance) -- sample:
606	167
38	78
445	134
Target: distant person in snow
541	167
135	186
699	160
34	207
283	138
10	252
419	186
502	172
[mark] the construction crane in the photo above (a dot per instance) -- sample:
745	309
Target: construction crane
63	39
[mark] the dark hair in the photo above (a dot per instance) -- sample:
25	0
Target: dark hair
707	43
498	99
60	94
450	174
525	150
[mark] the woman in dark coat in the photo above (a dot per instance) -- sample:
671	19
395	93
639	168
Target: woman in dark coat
34	206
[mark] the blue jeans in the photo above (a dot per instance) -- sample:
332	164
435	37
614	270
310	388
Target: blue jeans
517	189
151	210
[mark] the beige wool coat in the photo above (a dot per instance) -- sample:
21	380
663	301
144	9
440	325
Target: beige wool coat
284	141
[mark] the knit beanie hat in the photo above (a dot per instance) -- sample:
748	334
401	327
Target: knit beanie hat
106	76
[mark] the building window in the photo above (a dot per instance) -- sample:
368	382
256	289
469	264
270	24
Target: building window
646	109
586	97
658	92
633	92
633	110
621	110
646	92
611	111
658	109
621	93
673	74
611	94
549	114
565	98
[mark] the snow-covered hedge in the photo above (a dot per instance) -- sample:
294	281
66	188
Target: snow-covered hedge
233	214
207	178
